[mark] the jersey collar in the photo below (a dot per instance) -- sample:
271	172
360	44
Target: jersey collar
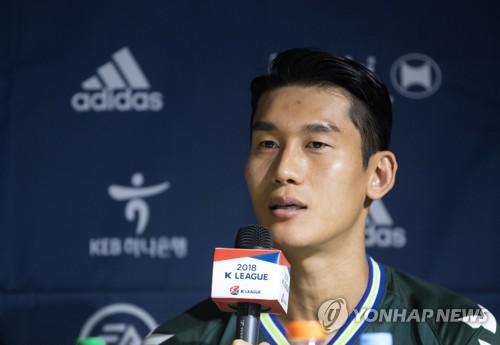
276	334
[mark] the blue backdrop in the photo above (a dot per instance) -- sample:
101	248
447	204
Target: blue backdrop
124	133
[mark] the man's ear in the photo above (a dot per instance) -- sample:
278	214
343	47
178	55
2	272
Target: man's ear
382	168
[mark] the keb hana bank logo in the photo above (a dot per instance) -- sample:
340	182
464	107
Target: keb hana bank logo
137	211
136	208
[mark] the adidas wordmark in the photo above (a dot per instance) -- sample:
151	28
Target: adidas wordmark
120	85
380	230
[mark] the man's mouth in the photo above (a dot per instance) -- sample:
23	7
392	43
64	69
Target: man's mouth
286	207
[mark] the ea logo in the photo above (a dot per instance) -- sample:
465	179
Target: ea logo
333	314
416	76
119	324
234	290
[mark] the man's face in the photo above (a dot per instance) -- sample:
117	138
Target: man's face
305	171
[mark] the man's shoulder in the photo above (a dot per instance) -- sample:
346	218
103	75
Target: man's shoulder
444	314
418	293
203	323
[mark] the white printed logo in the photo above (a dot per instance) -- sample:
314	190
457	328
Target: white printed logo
120	85
136	206
416	76
380	230
488	321
137	209
157	339
120	324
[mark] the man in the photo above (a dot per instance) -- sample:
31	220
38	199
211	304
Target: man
319	157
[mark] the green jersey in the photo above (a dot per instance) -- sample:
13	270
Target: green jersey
396	307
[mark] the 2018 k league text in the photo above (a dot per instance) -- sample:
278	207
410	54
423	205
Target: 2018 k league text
243	272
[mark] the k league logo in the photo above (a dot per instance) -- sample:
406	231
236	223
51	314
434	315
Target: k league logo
234	290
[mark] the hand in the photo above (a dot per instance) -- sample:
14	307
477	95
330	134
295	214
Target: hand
242	342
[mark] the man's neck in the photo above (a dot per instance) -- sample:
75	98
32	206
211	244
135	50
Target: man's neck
325	276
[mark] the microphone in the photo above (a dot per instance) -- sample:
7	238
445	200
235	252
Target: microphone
248	314
251	279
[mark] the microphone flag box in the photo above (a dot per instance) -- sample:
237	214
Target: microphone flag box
260	276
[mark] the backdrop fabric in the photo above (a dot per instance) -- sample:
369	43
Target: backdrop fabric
124	130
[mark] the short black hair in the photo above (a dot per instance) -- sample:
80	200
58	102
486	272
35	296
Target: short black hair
371	110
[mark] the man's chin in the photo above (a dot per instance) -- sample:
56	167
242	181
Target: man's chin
296	247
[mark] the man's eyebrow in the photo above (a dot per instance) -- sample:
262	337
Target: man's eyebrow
263	126
322	127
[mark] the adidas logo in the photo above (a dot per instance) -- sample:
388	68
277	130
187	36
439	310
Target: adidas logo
120	85
380	230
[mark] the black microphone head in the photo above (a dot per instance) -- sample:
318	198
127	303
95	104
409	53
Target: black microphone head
253	236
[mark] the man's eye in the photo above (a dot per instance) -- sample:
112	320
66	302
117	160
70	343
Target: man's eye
316	145
268	144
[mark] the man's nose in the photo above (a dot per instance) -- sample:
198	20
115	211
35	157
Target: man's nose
289	166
